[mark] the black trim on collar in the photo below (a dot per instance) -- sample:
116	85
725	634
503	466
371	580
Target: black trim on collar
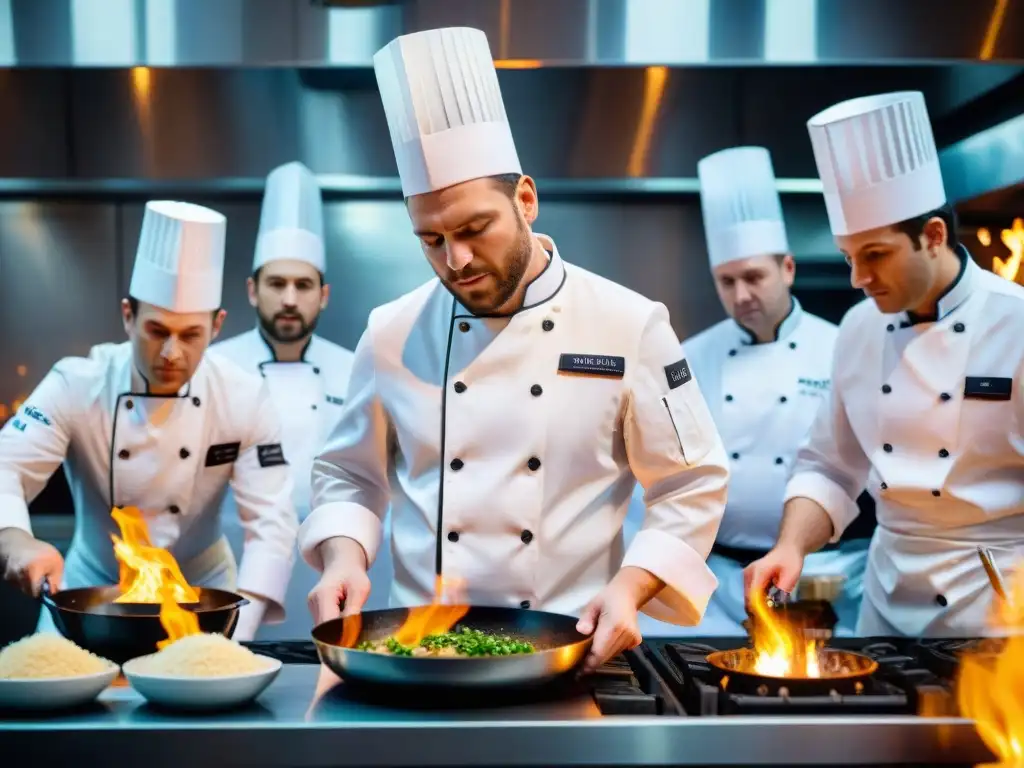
525	307
911	319
273	352
751	340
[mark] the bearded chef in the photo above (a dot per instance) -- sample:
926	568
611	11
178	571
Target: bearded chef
927	405
306	374
153	423
764	370
507	408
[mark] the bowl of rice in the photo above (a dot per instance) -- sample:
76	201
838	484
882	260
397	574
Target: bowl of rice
201	672
47	671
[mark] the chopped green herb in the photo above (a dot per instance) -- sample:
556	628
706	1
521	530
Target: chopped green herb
462	640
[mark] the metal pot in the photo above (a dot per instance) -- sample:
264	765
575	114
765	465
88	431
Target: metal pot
90	618
560	651
843	672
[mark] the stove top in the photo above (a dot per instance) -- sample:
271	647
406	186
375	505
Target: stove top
667	677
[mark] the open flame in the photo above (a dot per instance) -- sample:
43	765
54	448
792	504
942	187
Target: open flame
780	646
443	613
990	689
145	570
176	621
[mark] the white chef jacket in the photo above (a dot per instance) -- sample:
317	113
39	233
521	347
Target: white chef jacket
173	457
509	447
308	397
929	415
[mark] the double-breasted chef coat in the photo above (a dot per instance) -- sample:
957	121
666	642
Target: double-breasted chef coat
308	397
509	448
173	457
763	398
928	413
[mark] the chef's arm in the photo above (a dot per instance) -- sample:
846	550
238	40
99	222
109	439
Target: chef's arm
351	492
262	485
677	455
34	442
830	472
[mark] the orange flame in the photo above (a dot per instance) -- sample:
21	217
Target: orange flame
176	621
437	617
990	685
781	649
145	570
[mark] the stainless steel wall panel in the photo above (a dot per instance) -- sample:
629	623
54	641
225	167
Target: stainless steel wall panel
34	139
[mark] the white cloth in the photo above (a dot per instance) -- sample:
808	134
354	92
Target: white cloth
308	397
877	161
291	219
763	398
915	417
536	465
740	205
172	457
179	262
444	109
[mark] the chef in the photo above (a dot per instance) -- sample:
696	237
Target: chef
764	370
508	407
306	374
155	424
927	402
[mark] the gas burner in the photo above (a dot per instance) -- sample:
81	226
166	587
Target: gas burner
942	656
286	651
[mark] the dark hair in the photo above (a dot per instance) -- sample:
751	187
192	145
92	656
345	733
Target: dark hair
507	183
914	227
134	304
259	271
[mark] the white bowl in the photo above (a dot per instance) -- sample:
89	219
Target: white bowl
199	693
41	693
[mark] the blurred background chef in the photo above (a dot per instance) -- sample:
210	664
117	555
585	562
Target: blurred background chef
307	375
157	424
927	403
764	371
510	405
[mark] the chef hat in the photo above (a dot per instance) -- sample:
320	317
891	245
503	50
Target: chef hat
291	219
877	160
740	205
179	264
444	109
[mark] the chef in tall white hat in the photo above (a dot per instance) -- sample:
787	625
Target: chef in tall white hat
763	370
507	408
156	424
306	374
927	399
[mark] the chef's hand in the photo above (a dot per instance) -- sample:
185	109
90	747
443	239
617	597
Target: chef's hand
344	580
781	567
612	616
26	562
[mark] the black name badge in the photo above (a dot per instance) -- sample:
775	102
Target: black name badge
987	388
225	453
593	365
335	400
270	455
678	374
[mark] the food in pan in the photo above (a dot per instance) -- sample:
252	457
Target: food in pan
461	641
203	655
46	655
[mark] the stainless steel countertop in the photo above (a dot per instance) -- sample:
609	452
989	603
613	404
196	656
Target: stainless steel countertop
305	718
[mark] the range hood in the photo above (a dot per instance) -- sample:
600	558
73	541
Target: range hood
606	97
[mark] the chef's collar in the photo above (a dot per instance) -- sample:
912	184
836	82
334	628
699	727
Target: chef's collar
543	287
952	297
273	352
785	328
140	386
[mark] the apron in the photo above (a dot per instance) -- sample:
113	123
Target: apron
213	568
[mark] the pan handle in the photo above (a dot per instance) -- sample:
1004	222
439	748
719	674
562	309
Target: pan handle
46	598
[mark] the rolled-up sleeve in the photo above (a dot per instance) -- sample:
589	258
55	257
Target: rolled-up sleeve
830	467
351	491
677	455
34	442
262	485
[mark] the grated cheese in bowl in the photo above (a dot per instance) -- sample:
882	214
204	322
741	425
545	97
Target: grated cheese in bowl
202	655
48	655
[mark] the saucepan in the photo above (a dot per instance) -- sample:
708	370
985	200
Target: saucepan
90	618
559	651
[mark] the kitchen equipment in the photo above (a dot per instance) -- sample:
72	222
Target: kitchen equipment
994	576
199	693
89	617
54	693
560	650
842	672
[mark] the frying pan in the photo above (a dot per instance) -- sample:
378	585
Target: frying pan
843	672
90	618
560	651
